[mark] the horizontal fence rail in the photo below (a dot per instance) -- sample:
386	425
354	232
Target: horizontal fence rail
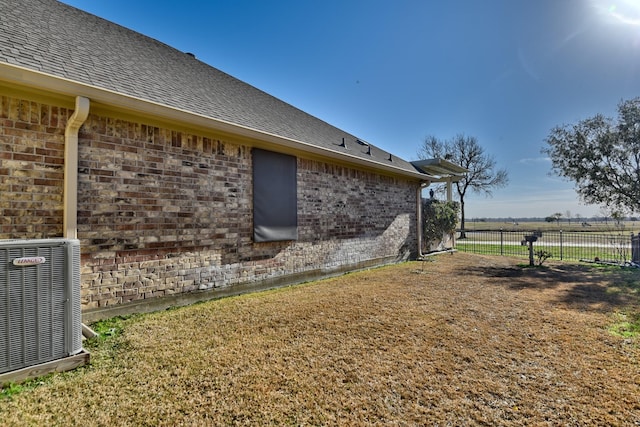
568	245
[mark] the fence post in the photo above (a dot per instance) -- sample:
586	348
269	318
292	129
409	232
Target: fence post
501	242
635	248
561	252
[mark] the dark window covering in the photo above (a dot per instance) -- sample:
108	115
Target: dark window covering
275	207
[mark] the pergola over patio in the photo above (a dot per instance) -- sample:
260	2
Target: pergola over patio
442	171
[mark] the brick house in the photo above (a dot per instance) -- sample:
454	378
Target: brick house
177	178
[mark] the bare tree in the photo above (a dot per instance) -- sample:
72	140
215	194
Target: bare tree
465	151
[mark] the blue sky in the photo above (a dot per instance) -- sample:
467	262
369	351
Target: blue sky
393	72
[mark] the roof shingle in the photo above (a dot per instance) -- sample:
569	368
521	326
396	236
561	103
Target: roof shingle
60	40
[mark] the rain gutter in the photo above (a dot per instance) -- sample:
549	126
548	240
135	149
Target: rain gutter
39	80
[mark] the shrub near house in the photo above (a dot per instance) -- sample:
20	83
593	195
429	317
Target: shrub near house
439	222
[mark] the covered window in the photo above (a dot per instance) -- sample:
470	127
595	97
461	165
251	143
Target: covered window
275	207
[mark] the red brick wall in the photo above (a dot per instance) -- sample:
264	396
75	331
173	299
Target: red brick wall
162	211
342	203
142	187
31	168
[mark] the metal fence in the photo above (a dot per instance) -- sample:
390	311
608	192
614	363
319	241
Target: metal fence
568	245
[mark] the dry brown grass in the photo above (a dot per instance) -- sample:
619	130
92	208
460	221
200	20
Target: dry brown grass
462	340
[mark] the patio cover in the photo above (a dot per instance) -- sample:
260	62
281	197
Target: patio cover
442	171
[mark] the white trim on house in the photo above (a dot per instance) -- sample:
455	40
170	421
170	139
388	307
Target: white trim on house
33	79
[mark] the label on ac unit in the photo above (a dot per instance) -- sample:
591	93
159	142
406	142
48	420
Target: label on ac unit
29	260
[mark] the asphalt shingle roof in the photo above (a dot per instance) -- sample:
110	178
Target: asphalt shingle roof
60	40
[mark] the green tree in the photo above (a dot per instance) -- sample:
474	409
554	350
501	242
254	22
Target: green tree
601	156
555	217
483	176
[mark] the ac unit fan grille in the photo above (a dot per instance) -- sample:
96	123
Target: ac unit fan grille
39	304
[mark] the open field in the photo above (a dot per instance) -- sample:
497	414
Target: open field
460	340
562	245
626	227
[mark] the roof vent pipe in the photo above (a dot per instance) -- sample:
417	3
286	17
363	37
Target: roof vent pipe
70	194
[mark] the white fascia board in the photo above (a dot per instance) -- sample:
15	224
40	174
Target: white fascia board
43	81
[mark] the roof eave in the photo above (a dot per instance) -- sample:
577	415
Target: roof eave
30	78
442	170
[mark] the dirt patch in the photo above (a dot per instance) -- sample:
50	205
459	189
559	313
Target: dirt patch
461	340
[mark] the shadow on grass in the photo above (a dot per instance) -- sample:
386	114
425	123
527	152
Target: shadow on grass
578	286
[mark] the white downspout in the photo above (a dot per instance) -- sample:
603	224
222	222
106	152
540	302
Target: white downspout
70	194
419	216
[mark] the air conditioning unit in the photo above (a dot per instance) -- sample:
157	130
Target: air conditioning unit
40	315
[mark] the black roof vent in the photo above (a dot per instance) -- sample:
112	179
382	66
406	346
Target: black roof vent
193	55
